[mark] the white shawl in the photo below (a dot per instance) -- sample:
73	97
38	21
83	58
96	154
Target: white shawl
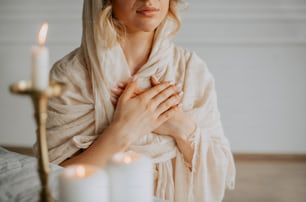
77	118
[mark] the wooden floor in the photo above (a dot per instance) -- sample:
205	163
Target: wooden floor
261	178
269	181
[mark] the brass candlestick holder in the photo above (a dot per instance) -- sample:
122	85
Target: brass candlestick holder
40	102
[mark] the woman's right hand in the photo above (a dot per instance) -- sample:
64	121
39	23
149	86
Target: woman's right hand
138	114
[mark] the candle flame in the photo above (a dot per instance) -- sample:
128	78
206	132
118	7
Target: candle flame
125	157
80	171
42	34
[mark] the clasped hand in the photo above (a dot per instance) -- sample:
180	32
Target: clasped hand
153	110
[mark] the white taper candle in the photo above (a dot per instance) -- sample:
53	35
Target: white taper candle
40	61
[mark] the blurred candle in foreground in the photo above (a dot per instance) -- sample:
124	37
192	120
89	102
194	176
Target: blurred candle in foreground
131	178
83	183
40	61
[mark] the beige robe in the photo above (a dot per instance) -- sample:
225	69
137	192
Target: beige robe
71	126
80	115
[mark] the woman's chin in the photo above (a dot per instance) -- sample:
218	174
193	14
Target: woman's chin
147	27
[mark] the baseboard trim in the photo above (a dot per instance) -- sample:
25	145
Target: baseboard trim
269	157
22	150
237	156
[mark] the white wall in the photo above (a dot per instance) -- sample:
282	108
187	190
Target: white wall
256	50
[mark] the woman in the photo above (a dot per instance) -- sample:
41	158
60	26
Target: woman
125	92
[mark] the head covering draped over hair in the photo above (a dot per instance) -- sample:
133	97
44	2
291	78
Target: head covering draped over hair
101	62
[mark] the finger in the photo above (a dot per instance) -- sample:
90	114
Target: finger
122	85
165	116
139	91
173	101
165	94
117	91
155	90
154	80
114	101
129	90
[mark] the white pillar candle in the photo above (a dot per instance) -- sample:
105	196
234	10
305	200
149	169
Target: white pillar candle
131	178
40	61
83	183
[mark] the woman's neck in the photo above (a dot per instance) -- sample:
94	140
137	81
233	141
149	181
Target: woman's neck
137	48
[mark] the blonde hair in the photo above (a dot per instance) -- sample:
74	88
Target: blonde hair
110	31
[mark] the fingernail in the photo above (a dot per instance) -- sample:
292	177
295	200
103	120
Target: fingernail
181	93
154	77
115	89
120	84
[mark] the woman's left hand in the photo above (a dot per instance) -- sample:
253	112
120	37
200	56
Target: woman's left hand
180	126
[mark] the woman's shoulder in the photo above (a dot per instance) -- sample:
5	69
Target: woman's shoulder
190	59
68	66
69	62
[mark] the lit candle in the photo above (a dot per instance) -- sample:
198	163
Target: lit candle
40	61
131	178
80	183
